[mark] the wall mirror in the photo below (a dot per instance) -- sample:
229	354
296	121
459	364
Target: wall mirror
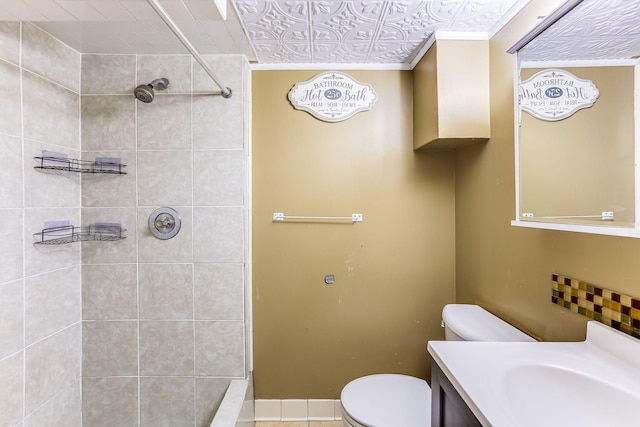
576	163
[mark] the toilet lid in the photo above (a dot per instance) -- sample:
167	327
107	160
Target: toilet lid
388	400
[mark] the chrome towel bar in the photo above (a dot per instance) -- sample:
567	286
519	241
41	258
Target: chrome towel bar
280	217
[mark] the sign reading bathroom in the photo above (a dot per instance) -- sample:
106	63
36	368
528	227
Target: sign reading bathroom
332	96
556	94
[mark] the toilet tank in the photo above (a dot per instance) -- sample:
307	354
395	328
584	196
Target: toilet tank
468	322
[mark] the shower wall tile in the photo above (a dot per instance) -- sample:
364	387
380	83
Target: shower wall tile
109	292
10	108
110	190
52	364
10	171
50	112
176	68
10	41
110	402
218	178
11	396
108	122
109	348
11	245
50	58
179	249
166	348
218	234
121	251
209	395
61	411
219	349
166	291
44	188
108	74
218	122
165	124
52	302
219	293
167	402
11	320
228	68
165	178
43	258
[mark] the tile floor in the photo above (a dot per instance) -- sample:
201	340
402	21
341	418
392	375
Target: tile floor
299	424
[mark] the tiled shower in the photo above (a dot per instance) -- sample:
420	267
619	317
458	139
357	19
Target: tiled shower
142	331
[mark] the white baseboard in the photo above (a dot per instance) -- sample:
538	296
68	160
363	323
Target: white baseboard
298	410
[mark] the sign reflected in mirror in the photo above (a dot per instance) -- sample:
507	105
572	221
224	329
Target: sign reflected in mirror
576	142
556	94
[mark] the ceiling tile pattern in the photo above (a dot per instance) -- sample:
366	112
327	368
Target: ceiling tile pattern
593	30
375	31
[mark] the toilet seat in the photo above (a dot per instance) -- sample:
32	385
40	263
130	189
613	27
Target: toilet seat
387	400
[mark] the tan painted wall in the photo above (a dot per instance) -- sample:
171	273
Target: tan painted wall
393	272
509	268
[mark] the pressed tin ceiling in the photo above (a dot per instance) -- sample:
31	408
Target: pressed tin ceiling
593	30
367	32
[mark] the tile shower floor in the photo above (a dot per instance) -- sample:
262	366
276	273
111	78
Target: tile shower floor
299	424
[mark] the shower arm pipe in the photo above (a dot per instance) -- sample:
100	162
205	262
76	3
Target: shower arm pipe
225	91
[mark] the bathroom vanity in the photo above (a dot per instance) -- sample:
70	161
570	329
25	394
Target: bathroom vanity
448	409
595	382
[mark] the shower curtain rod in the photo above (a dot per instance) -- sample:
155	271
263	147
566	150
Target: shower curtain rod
224	90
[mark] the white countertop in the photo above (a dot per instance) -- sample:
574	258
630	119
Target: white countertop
531	384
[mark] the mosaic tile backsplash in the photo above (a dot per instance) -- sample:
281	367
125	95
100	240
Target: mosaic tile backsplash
621	312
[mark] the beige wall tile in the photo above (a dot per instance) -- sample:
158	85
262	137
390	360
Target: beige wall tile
165	124
109	348
10	108
108	122
10	171
219	348
165	178
166	402
219	291
10	41
110	402
166	348
218	178
63	410
11	395
166	291
226	131
11	245
108	74
52	364
50	112
109	292
52	302
218	234
50	58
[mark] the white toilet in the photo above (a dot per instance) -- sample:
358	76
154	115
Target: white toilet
392	400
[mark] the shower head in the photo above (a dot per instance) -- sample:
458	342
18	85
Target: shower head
145	93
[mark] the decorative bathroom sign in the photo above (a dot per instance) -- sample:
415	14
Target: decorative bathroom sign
332	96
556	94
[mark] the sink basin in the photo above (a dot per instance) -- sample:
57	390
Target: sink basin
571	396
595	382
